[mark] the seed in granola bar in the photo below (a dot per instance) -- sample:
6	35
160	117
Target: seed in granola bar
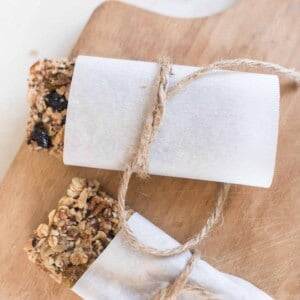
40	136
56	101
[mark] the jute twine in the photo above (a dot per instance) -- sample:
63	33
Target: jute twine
139	165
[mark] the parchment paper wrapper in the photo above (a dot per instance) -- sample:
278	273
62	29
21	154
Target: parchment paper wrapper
222	127
121	272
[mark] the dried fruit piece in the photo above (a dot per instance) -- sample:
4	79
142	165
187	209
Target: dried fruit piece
57	101
40	136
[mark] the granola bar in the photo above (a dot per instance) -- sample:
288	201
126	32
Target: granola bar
49	85
83	224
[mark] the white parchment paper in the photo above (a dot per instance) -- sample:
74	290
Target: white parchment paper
222	127
121	272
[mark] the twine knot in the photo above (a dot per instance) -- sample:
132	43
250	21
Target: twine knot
172	290
153	121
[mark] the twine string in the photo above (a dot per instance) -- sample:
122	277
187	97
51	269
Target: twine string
234	63
139	165
180	285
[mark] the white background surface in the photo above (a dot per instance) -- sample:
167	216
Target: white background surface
35	29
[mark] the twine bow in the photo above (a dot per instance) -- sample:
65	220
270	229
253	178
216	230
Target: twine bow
139	165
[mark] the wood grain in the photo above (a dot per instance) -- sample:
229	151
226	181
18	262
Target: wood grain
259	237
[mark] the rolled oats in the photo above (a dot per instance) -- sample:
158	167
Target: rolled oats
84	223
49	86
42	230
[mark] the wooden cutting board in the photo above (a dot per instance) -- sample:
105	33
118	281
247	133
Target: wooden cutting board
259	238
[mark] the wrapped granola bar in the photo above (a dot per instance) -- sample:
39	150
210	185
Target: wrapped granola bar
215	119
83	247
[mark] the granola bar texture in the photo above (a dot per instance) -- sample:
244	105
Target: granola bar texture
76	233
48	94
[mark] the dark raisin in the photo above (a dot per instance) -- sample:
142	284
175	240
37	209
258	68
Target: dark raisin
88	213
104	243
40	136
73	219
56	101
96	226
111	234
34	242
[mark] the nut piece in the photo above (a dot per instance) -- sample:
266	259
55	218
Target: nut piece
79	229
78	258
78	184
